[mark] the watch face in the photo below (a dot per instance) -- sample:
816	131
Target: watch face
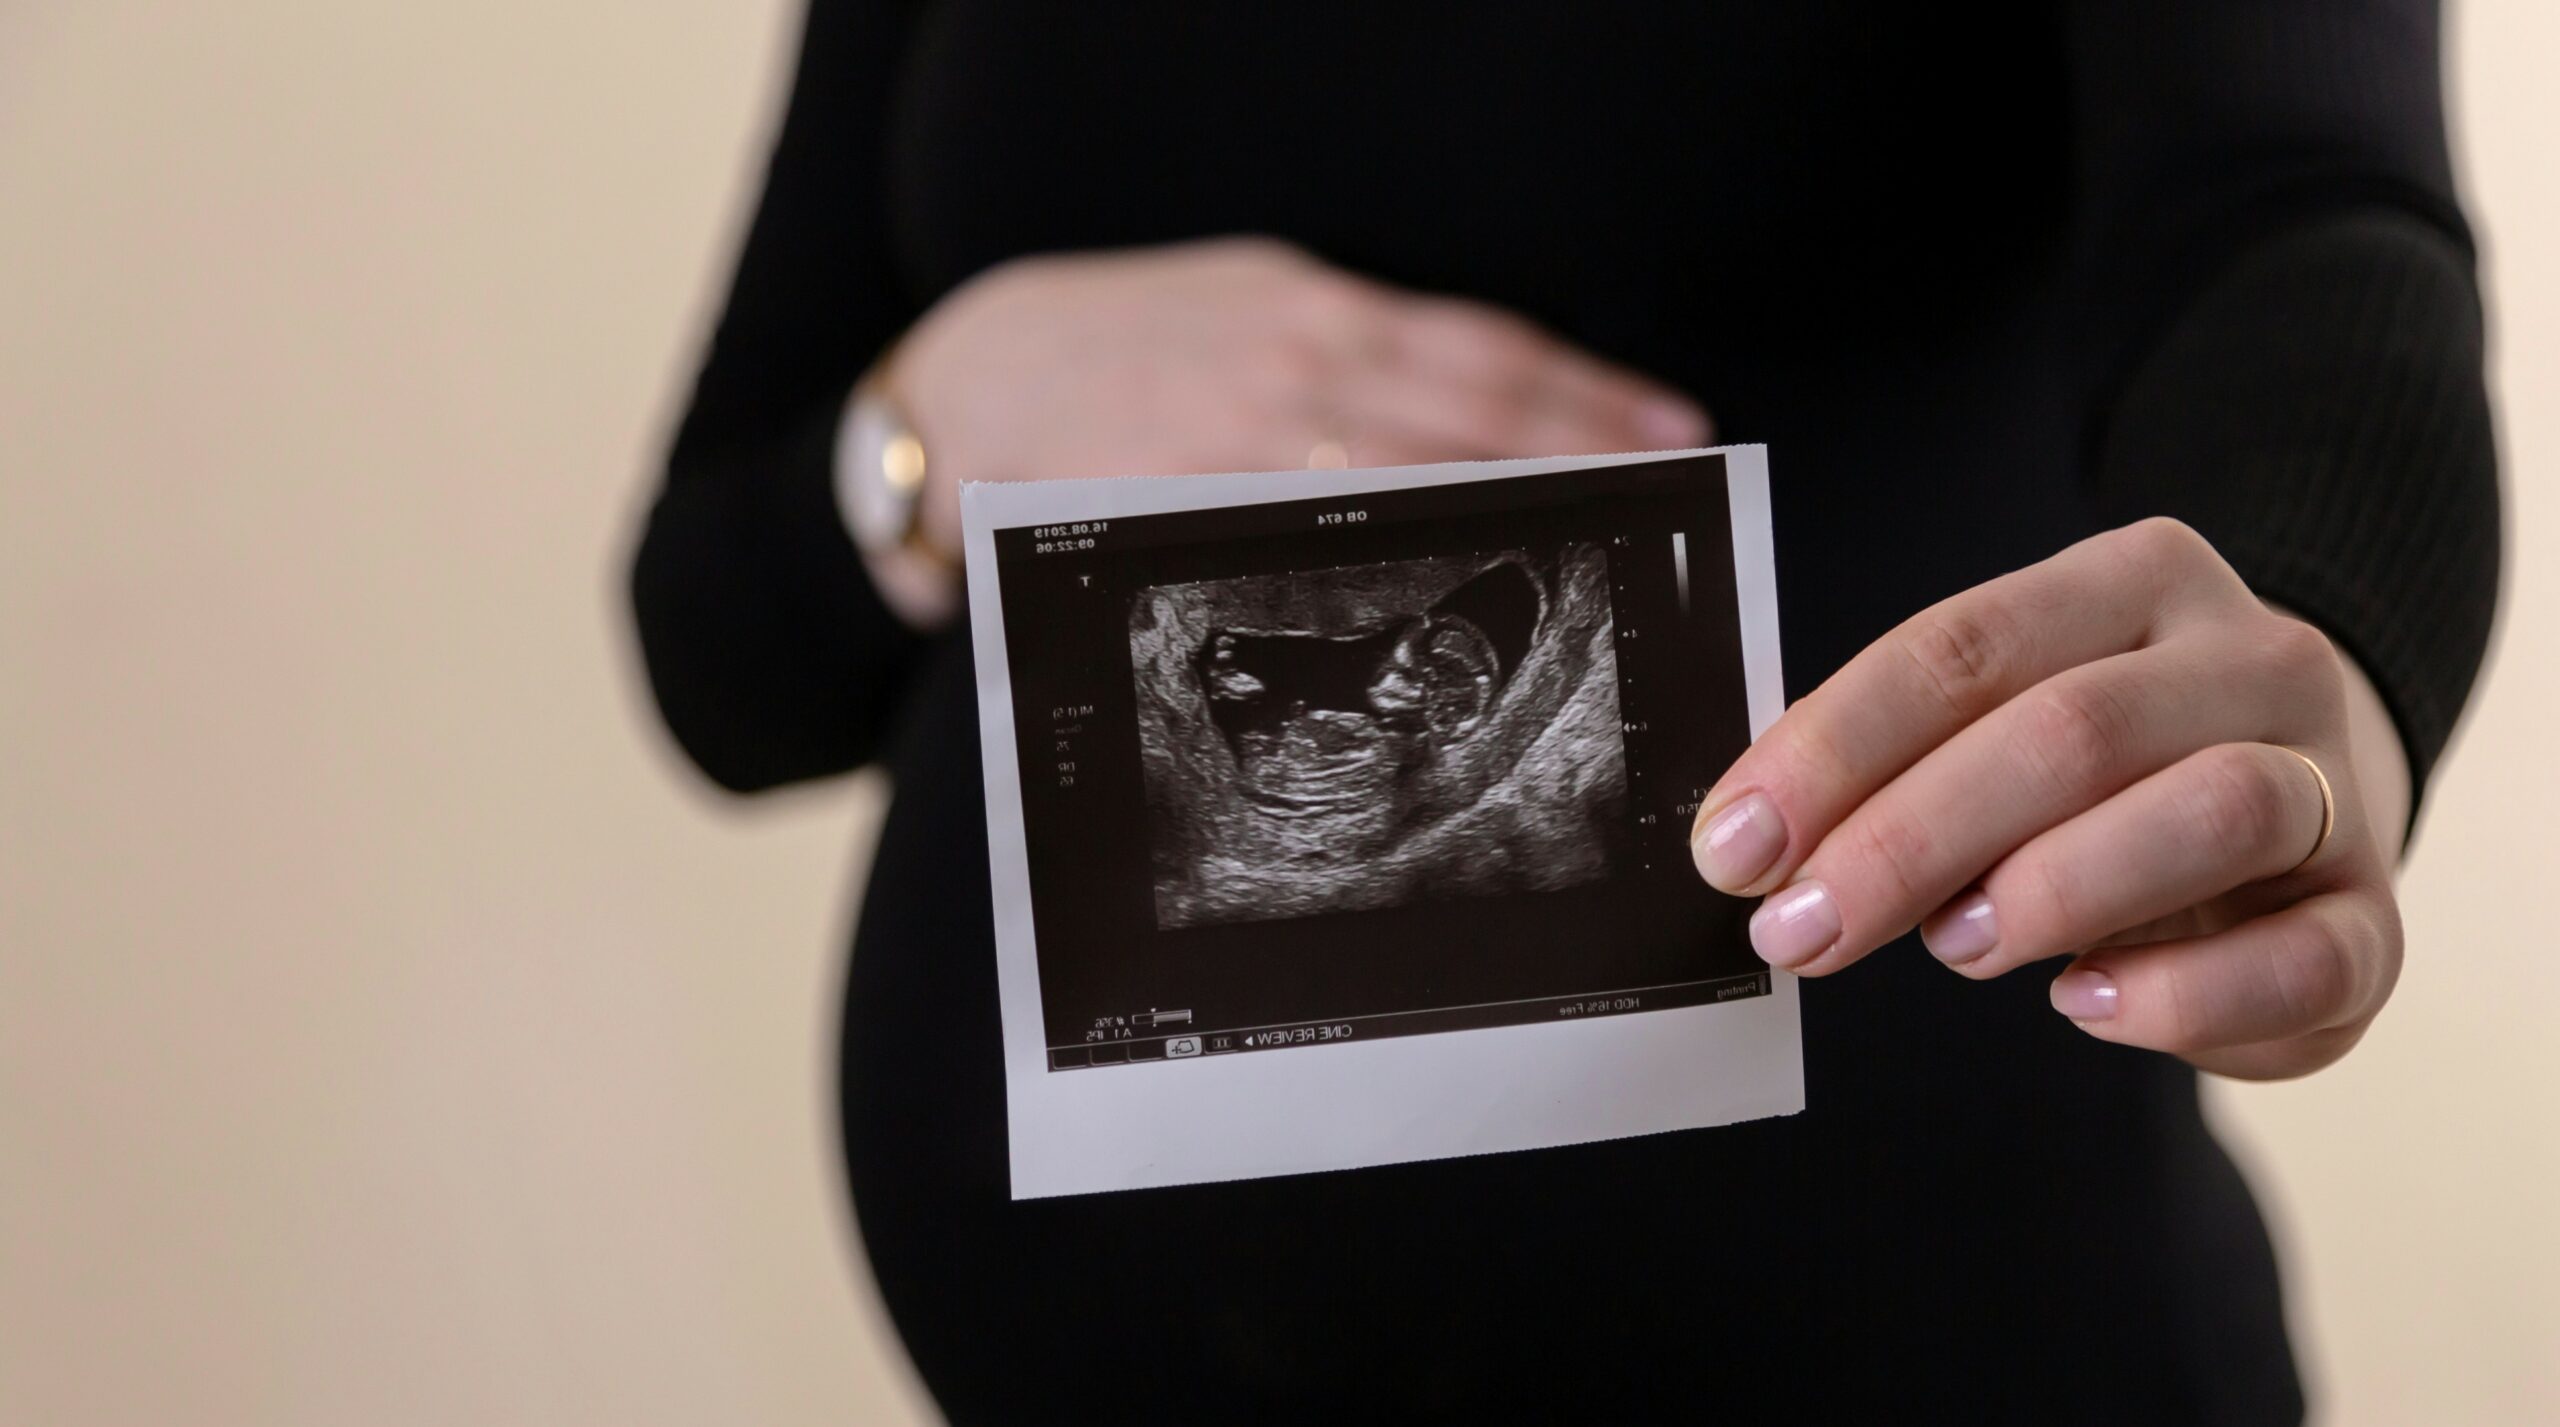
878	511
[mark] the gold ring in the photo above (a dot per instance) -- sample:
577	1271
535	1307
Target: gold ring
2328	808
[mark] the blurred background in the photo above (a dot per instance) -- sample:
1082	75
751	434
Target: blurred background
392	1032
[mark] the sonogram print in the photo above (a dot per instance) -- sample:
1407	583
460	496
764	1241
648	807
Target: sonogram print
1368	736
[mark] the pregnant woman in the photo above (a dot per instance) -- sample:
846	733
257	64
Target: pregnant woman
2137	529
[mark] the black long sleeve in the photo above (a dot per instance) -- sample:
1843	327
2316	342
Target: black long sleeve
771	655
2285	321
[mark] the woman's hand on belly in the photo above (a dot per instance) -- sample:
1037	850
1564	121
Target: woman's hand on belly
1242	354
2108	756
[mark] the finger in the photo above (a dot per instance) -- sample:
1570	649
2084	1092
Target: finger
2322	965
1410	407
1554	389
2234	814
1314	443
2042	759
1333	437
1394	448
1638	413
1415	406
1941	670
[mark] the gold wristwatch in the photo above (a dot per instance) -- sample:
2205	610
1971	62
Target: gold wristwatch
880	470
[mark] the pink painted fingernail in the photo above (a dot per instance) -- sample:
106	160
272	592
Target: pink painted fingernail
1739	843
1962	930
1796	925
2085	995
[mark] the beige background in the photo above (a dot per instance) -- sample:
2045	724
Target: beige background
390	1034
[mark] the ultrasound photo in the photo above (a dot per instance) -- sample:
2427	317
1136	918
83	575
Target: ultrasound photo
1365	737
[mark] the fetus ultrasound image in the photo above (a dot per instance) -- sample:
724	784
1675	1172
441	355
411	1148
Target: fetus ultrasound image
1372	735
1404	762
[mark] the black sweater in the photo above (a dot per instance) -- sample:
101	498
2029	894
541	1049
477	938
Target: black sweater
1985	278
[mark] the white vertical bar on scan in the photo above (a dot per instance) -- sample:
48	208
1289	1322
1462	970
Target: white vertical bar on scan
1680	568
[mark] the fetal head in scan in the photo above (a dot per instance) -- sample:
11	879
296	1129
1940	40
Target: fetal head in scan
1362	737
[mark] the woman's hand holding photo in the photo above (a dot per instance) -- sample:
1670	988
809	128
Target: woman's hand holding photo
2118	755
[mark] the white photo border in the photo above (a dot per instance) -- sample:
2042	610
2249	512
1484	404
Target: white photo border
1357	1103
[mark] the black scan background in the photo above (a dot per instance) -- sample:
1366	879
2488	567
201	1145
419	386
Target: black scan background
1100	953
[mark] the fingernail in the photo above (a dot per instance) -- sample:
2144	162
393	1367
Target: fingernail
1796	925
1739	843
1962	931
2085	995
1673	423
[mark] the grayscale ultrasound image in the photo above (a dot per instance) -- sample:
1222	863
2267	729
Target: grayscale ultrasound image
1360	738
